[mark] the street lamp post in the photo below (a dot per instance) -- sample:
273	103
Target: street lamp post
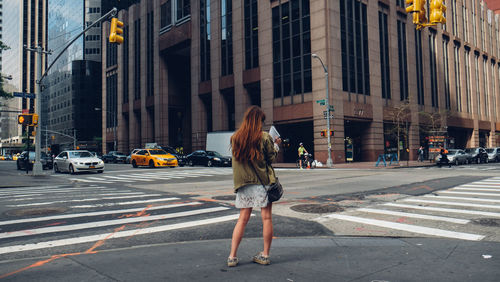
329	162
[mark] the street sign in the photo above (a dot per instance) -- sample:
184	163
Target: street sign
325	113
331	108
24	95
321	102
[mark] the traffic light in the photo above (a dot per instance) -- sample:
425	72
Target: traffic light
417	7
28	119
437	12
331	132
323	133
414	8
115	33
34	119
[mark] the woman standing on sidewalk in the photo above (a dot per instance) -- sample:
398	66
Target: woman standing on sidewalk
253	150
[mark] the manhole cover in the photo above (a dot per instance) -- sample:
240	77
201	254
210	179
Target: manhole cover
35	211
225	198
487	221
317	208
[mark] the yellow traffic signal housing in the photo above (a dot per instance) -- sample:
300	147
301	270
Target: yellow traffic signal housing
34	120
331	132
115	33
417	7
437	12
414	7
323	133
27	119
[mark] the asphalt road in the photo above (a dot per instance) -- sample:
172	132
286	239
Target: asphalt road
124	207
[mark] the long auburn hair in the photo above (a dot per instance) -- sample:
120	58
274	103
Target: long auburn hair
246	140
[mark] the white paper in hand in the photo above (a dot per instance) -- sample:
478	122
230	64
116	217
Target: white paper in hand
273	132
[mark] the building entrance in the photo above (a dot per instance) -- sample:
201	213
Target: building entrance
296	133
355	138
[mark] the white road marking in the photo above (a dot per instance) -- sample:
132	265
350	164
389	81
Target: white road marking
62	190
87	214
476	189
120	234
405	227
479	186
96	224
85	200
470	193
124	178
82	180
463	198
86	195
413	215
473	212
123	203
452	203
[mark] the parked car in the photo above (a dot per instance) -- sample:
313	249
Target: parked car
181	158
96	154
129	157
29	159
77	161
493	154
153	158
455	156
207	158
477	155
114	157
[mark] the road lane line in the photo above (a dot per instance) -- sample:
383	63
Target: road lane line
123	203
17	192
462	198
87	214
473	212
476	189
86	200
478	186
73	196
96	224
120	234
452	203
82	180
414	215
123	178
470	193
405	227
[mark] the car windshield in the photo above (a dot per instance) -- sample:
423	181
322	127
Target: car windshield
75	155
214	154
157	152
470	150
452	151
170	150
490	150
118	153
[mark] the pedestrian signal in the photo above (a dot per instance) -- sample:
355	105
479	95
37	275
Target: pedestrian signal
115	33
26	119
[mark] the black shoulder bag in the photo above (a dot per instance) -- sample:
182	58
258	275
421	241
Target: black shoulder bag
275	190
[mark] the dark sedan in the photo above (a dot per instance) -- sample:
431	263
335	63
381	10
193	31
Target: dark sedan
114	157
207	158
181	158
477	155
22	160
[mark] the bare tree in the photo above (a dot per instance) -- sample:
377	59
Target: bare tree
400	116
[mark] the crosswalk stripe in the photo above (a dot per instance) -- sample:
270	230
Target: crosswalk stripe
124	178
86	200
473	212
477	189
413	215
87	214
407	227
123	203
17	192
470	193
120	234
452	203
82	180
96	224
126	195
479	186
463	198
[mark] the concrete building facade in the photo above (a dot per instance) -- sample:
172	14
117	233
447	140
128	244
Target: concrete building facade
192	67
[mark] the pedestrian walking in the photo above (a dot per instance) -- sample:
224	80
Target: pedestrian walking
421	154
253	151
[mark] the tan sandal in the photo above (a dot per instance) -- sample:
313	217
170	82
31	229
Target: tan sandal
261	259
231	262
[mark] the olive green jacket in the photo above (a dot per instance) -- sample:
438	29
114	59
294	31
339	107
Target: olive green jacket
243	173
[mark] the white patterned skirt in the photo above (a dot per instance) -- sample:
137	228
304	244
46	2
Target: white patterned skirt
251	196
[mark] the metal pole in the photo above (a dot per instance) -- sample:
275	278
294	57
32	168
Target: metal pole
114	132
74	138
37	167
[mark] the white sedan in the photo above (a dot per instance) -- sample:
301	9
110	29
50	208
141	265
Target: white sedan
77	161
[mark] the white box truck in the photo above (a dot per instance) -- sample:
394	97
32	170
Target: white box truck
220	142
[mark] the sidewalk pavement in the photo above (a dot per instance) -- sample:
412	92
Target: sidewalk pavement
365	165
292	259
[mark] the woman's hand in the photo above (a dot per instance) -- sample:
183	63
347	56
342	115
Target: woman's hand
277	141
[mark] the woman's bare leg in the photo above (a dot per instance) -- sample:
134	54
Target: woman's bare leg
239	230
267	227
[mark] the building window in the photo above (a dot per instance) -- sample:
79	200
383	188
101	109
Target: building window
400	3
419	66
150	54
125	64
478	88
481	22
183	10
403	64
486	85
166	14
454	17
137	59
458	93
204	40
465	22
474	34
111	101
384	56
226	37
251	34
111	56
433	72
354	36
494	90
467	80
291	48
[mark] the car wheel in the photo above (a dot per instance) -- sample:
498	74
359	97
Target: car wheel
456	162
71	169
209	163
134	164
56	169
151	164
190	163
100	171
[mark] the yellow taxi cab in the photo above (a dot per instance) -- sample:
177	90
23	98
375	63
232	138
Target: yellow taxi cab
2	158
153	158
14	157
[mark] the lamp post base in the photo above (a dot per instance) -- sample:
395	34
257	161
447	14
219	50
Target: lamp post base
329	163
37	168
